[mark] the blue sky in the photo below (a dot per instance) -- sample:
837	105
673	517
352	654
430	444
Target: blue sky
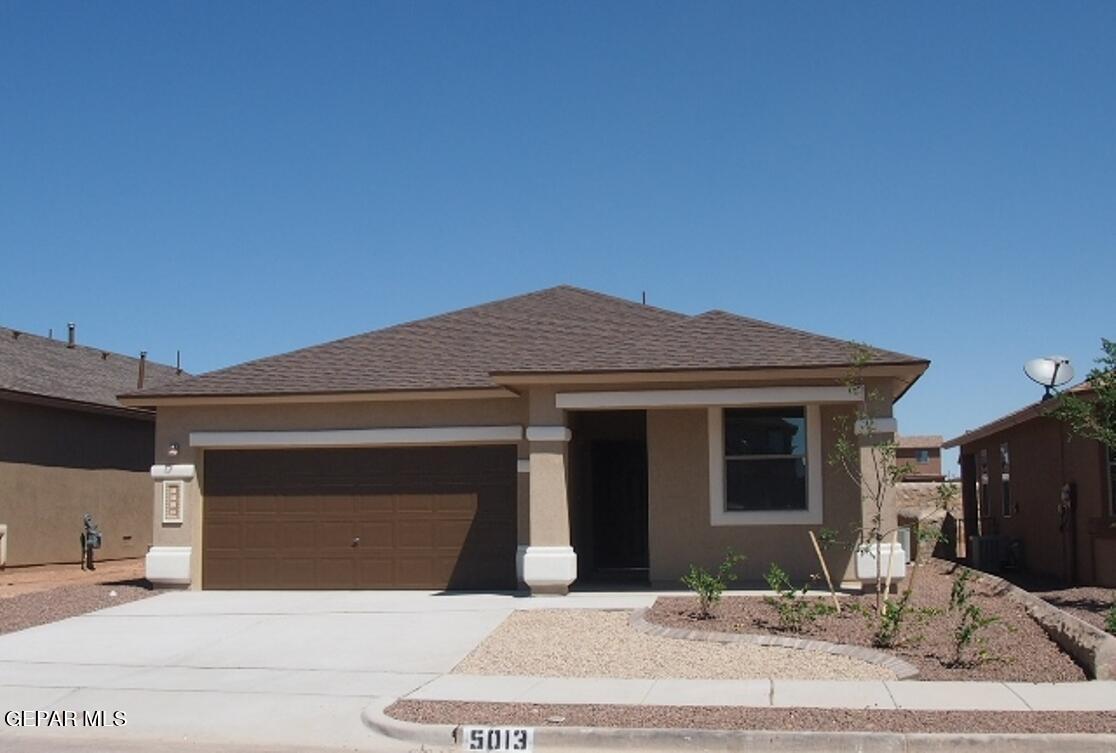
236	179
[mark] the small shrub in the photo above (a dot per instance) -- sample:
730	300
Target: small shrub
891	621
709	586
972	620
1110	619
795	611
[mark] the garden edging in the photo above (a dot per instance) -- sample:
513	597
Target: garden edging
903	670
1091	647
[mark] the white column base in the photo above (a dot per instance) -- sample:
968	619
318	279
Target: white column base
549	569
866	562
168	565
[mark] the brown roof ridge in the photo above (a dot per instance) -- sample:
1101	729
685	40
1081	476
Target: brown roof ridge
477	309
716	313
18	334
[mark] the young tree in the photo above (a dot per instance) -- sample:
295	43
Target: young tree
872	463
1093	417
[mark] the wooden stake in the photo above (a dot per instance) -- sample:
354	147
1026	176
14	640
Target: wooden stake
825	569
890	557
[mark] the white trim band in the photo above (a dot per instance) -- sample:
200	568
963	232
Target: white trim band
523	465
881	425
181	472
439	435
549	434
737	396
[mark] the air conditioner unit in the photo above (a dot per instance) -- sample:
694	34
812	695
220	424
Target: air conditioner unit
986	552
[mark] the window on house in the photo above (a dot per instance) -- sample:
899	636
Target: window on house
765	459
985	505
922	457
1005	480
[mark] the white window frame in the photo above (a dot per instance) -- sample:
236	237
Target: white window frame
812	515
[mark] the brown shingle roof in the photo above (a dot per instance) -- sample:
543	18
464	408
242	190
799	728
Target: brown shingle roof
1026	413
557	330
919	441
39	366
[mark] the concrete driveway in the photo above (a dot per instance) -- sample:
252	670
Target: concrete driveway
263	668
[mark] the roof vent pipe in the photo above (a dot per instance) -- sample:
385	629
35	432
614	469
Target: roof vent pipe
71	338
142	367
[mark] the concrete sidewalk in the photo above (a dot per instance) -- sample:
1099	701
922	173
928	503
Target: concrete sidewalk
844	694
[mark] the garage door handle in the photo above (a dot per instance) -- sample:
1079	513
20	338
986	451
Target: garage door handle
356	541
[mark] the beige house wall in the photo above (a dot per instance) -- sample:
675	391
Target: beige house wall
42	506
680	532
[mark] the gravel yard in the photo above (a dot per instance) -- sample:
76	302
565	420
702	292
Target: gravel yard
720	717
1018	648
592	643
37	595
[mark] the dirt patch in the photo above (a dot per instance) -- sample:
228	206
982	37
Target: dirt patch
722	717
595	643
1018	649
22	580
40	607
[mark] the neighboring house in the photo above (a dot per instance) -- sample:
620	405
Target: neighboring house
1038	498
558	435
68	447
923	454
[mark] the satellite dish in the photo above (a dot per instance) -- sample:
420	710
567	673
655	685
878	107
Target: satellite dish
1050	372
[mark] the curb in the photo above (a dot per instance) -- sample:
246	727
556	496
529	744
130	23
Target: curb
1093	648
374	718
752	741
903	670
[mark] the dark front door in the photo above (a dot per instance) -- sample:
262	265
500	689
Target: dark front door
619	490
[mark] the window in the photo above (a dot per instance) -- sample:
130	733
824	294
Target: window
765	459
984	505
1005	480
922	457
765	465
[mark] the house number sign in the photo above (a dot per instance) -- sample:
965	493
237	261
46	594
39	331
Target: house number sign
498	738
172	501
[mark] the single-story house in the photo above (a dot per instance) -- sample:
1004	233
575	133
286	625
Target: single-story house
69	447
1038	498
555	436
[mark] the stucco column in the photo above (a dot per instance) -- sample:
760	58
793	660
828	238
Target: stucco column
549	562
881	428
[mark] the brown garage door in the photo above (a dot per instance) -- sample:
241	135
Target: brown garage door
430	517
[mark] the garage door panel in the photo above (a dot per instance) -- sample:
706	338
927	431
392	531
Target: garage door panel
376	535
425	518
414	534
223	535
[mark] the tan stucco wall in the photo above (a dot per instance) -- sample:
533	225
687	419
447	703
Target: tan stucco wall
43	508
678	499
